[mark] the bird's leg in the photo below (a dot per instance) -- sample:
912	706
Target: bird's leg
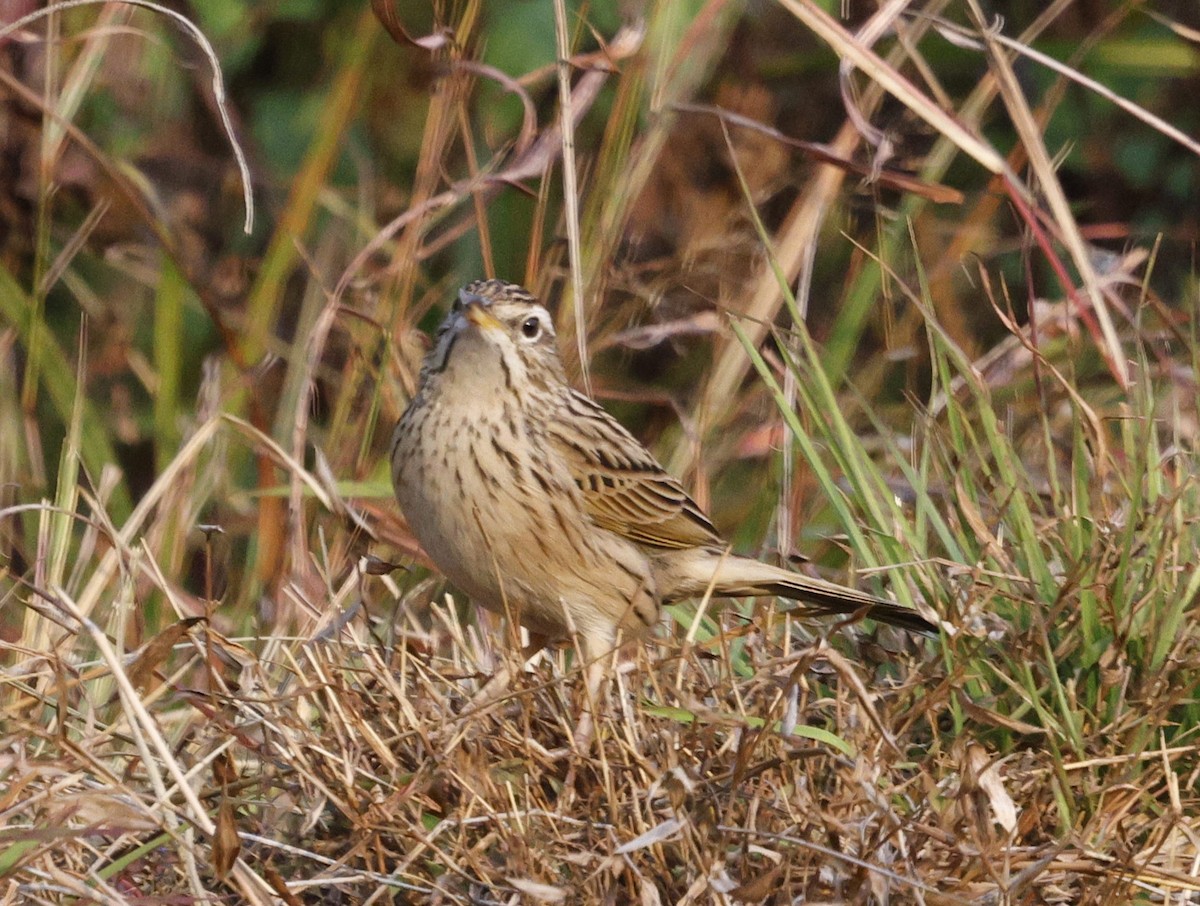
597	655
499	682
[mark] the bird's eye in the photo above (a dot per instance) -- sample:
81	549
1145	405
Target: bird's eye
531	328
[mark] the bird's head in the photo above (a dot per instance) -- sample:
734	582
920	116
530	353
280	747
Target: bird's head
497	333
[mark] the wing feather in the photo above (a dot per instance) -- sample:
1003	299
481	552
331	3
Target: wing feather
624	488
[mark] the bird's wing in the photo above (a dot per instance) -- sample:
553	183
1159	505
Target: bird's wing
624	489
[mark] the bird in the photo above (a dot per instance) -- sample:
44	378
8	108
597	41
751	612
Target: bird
536	503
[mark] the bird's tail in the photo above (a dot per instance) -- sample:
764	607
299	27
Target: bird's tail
737	577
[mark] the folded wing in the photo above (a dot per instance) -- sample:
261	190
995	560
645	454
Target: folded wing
624	489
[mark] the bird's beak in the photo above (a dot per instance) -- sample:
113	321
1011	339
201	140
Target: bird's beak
475	310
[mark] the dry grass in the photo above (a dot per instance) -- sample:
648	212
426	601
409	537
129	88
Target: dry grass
263	711
740	769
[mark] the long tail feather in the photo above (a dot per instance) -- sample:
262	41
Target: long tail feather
833	599
736	577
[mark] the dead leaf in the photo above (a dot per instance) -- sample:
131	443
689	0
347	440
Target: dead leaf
656	834
543	893
226	842
141	671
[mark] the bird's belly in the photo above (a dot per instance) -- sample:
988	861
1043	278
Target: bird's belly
446	513
488	526
474	514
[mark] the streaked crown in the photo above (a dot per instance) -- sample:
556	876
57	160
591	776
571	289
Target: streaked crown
493	291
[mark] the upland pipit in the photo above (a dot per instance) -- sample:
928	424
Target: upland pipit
535	502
